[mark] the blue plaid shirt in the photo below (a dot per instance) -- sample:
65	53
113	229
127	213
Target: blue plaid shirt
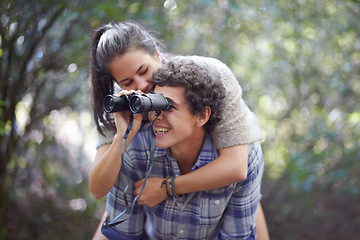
223	213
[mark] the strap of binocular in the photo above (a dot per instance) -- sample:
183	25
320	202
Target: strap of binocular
117	220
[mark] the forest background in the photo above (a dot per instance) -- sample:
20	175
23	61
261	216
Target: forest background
298	63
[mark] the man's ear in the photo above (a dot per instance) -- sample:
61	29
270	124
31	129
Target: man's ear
204	117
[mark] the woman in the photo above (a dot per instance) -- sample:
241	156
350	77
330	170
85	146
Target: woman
126	54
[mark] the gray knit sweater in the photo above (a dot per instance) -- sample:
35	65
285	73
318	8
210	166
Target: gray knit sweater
238	125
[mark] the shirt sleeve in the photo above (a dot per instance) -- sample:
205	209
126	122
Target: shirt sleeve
107	139
238	124
239	219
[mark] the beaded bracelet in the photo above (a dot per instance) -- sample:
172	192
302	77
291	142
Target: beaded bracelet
164	182
172	178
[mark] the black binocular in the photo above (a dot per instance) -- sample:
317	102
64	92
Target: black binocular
137	103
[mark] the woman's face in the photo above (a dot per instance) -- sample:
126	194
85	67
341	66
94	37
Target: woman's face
133	70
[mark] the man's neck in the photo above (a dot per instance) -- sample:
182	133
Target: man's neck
188	151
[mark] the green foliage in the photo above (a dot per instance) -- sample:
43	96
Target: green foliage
298	63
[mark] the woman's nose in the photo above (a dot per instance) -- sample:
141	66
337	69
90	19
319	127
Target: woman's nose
142	84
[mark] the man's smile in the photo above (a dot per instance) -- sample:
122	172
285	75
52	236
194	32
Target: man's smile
161	130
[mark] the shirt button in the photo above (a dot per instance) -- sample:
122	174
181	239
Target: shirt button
217	202
181	231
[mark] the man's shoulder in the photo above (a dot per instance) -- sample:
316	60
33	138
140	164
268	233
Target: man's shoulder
143	137
208	152
145	129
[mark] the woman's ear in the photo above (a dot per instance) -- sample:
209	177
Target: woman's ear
204	117
158	55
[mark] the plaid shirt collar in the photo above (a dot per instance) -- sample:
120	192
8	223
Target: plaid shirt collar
208	151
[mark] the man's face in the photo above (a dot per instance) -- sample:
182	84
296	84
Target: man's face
178	126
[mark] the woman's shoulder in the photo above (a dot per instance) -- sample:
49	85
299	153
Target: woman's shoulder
216	67
201	60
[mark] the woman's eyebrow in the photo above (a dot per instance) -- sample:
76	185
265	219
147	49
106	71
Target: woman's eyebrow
135	72
140	68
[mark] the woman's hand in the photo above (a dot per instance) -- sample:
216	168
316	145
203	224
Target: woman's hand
122	118
153	193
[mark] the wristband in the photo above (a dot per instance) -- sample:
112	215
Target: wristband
164	182
172	178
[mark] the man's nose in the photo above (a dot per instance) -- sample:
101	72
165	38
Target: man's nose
159	115
156	115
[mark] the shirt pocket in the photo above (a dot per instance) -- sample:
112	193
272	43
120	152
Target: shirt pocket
211	210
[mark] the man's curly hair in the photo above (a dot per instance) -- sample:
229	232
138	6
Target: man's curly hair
201	88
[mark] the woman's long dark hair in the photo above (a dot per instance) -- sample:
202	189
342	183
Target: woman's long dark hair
108	42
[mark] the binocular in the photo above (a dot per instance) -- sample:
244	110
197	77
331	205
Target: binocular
137	103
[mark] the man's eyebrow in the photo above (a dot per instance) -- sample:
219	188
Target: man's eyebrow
135	72
174	103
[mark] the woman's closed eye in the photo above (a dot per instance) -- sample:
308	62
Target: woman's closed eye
127	83
144	71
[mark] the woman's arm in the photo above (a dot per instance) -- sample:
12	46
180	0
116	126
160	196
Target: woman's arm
106	167
229	167
107	164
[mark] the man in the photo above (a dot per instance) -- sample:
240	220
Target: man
183	144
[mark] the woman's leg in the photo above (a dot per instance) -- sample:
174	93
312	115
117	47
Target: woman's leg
98	235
